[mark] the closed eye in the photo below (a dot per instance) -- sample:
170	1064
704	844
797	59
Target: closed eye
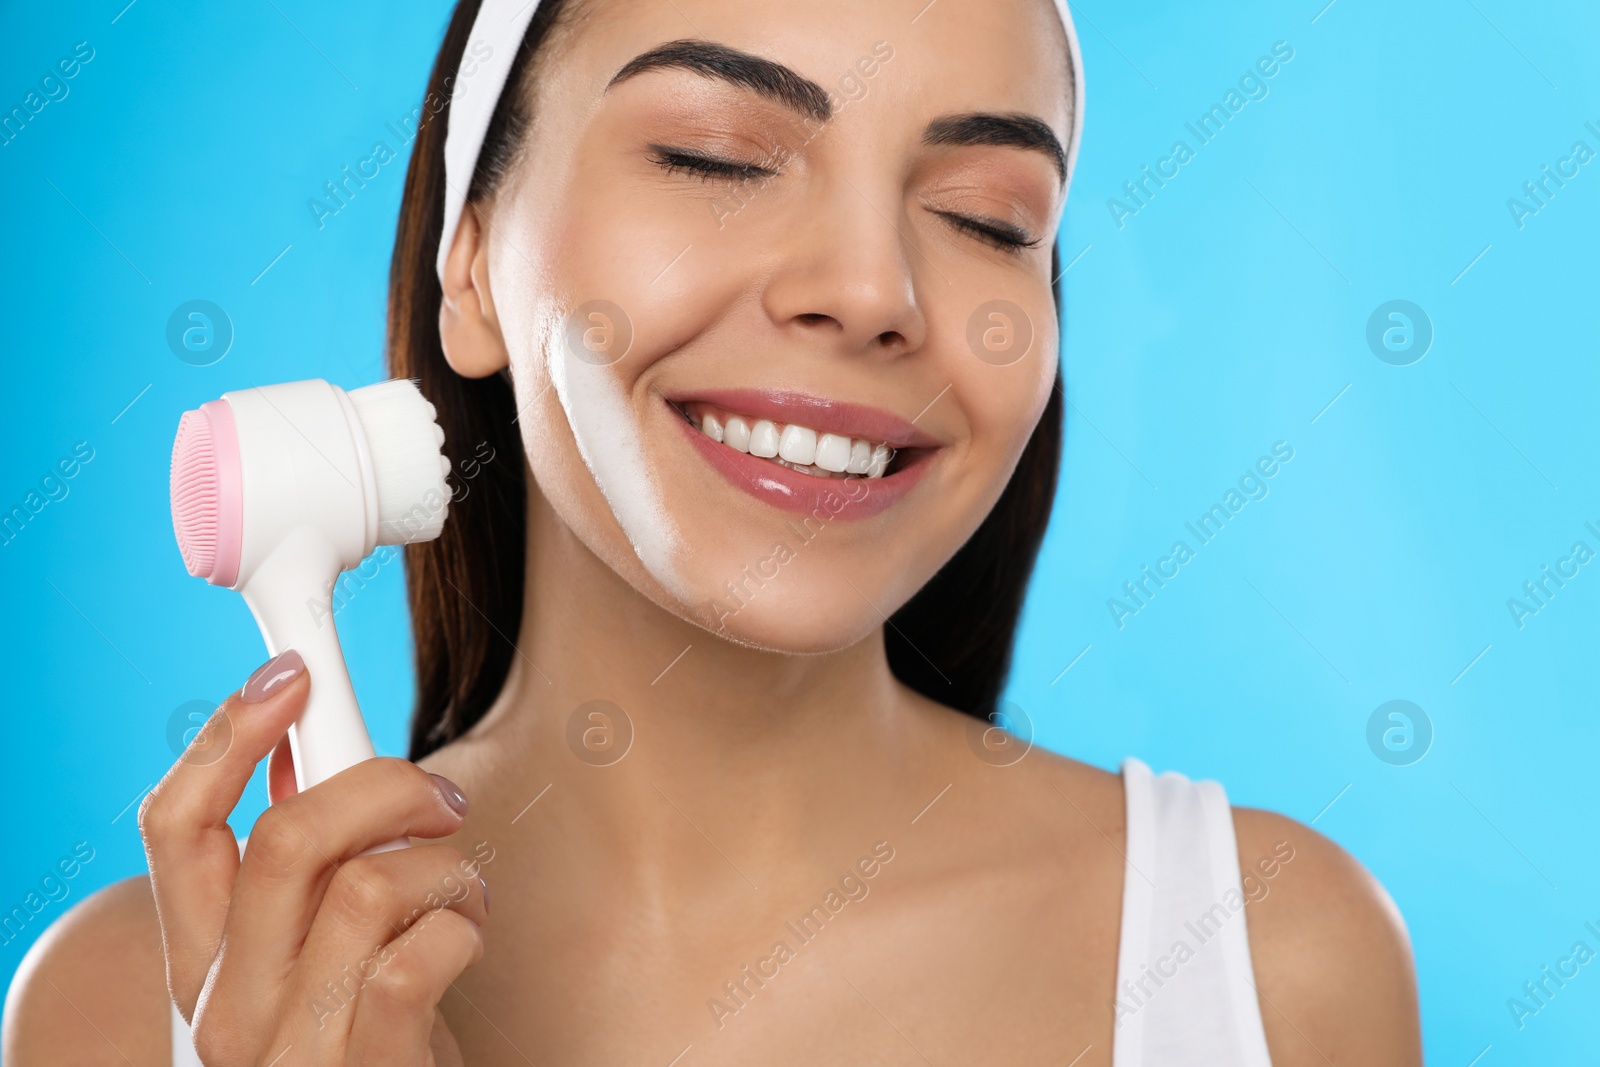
999	234
679	161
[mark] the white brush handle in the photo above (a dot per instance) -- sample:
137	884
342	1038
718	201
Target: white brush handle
287	595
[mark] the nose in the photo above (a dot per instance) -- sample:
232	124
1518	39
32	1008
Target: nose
848	281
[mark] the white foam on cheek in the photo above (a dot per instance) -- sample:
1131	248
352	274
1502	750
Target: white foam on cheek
611	444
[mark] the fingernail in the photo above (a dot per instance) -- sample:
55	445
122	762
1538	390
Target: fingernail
485	895
451	793
272	676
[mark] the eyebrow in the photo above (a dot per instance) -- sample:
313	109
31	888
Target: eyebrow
784	86
764	77
1013	130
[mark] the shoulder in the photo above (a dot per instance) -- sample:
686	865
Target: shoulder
1330	951
92	989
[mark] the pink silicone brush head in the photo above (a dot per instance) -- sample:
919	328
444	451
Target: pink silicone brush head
205	493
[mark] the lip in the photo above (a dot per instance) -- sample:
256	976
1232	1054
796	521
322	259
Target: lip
819	413
801	494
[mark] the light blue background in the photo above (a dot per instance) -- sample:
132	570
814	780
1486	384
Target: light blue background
1223	317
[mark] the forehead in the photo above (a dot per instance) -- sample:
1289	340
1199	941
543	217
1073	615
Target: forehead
948	56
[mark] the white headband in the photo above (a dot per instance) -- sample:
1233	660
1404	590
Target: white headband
498	30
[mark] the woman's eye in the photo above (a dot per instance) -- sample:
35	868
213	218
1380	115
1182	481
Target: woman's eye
674	160
997	234
1000	235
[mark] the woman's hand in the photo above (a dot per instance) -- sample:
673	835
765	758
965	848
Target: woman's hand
304	946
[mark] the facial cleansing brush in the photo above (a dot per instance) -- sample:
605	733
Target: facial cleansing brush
279	489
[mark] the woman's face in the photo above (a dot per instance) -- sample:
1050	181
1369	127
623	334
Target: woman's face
823	229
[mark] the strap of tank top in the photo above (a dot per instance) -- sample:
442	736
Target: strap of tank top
1185	986
183	1053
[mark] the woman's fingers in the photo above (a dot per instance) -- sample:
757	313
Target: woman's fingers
191	851
238	934
394	1015
370	901
290	860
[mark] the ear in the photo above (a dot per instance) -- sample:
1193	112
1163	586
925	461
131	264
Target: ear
468	327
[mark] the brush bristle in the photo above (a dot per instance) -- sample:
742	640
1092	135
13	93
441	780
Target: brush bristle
407	460
194	493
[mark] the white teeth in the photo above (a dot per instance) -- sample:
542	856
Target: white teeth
764	439
832	453
736	434
860	457
798	445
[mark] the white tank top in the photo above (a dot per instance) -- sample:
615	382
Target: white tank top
1186	993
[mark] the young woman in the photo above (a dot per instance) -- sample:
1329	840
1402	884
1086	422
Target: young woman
745	346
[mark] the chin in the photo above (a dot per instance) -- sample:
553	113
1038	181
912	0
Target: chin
782	635
787	617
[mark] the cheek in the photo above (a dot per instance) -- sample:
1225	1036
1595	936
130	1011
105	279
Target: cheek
614	288
656	258
1004	400
585	439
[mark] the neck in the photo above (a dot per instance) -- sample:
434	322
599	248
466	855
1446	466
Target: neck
769	756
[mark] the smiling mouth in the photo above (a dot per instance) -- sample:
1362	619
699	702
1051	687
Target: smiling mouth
795	446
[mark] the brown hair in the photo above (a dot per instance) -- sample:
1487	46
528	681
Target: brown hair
951	642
